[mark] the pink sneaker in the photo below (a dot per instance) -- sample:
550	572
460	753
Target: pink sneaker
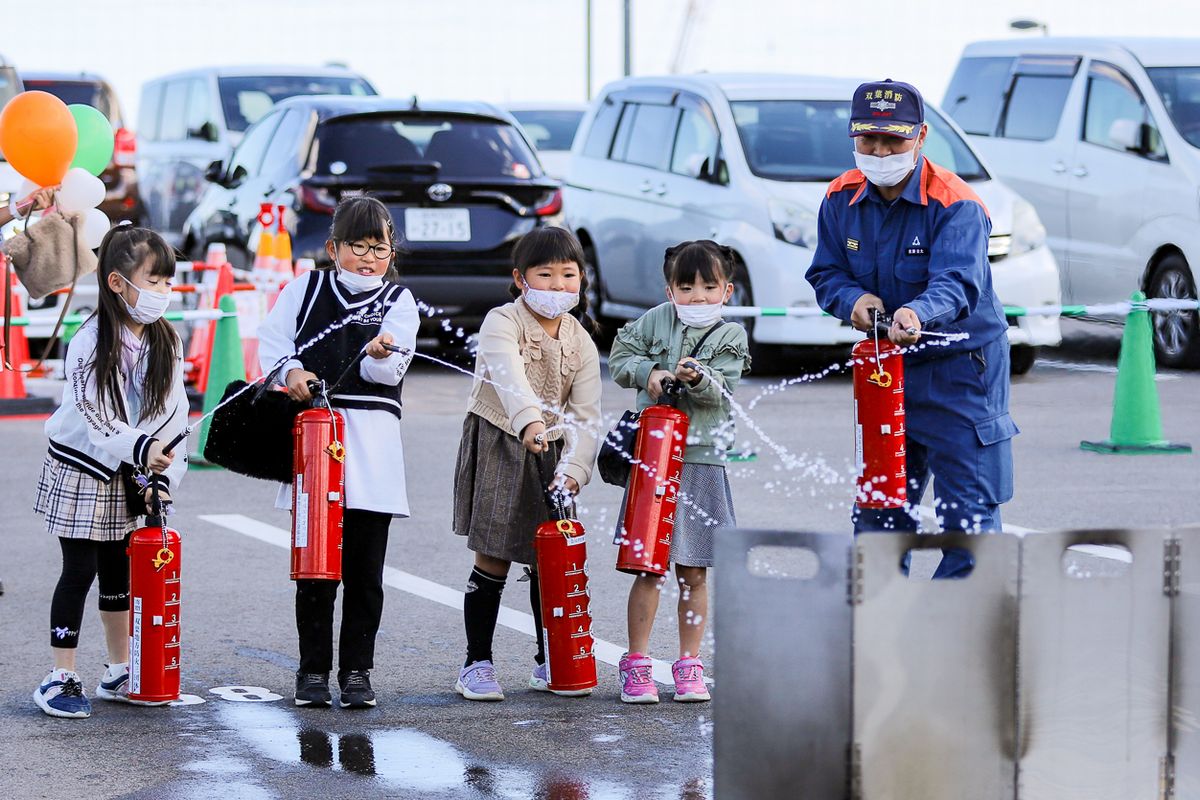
689	681
637	679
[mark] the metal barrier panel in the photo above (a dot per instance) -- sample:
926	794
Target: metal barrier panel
783	600
1093	661
1182	569
934	679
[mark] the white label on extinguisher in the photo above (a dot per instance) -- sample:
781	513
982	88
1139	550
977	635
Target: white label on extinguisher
300	514
135	649
858	441
546	639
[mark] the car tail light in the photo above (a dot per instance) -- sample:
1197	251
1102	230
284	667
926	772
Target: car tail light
316	199
551	205
124	148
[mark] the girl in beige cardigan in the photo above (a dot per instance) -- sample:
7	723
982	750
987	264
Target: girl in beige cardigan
536	396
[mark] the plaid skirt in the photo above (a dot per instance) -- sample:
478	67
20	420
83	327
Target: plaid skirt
705	504
78	506
499	500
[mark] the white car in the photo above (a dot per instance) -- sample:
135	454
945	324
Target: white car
1103	137
10	87
551	127
745	160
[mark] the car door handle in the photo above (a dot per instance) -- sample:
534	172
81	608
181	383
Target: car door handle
1059	167
645	187
1080	172
661	190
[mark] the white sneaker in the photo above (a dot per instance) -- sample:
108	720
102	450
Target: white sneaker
114	684
61	695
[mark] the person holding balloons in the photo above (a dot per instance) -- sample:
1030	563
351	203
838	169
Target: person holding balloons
37	200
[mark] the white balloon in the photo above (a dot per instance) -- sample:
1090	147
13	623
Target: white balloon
95	225
80	191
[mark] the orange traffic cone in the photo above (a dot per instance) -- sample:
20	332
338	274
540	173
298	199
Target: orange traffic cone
206	336
283	249
264	257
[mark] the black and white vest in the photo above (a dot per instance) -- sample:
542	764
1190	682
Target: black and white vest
326	302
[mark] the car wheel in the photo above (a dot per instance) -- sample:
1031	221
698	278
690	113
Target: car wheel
1021	358
594	294
1176	333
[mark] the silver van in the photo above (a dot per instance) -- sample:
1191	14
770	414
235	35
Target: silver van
190	119
1103	137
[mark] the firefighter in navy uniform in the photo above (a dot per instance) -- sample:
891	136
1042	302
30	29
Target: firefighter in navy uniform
908	238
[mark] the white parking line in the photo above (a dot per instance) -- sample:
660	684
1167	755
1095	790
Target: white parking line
519	621
1072	366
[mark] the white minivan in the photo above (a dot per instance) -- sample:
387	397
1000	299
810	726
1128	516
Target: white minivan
1103	137
745	160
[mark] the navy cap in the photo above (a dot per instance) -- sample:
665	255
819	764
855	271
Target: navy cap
889	107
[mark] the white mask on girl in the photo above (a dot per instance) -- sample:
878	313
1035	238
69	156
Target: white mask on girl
886	170
150	305
357	283
698	315
550	304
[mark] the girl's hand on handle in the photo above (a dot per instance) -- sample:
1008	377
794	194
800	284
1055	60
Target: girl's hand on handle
534	438
297	383
163	497
654	383
375	347
565	483
156	459
686	371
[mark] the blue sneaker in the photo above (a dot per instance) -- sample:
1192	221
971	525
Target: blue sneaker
61	695
478	682
114	683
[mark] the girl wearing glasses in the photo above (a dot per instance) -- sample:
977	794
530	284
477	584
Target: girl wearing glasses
369	312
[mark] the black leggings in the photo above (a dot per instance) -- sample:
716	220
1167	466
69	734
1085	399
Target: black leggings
83	559
364	545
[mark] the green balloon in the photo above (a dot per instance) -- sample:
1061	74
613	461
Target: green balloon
96	139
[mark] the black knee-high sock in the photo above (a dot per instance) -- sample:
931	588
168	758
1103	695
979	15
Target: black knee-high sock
535	602
481	607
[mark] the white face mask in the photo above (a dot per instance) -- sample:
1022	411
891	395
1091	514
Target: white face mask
699	315
886	170
150	305
357	283
550	304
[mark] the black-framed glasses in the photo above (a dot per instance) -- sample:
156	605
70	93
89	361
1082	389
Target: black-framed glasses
382	250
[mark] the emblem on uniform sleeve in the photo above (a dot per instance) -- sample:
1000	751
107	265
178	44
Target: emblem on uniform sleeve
852	244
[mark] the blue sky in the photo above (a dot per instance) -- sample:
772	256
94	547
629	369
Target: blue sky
534	49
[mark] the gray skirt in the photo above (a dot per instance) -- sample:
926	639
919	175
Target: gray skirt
705	504
499	499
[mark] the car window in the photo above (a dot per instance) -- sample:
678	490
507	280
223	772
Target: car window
172	126
10	87
652	135
148	114
1035	106
249	154
86	93
283	155
199	107
1179	88
1113	102
976	93
944	147
600	134
459	147
695	144
247	99
550	129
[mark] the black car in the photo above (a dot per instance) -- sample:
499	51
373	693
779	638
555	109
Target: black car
461	180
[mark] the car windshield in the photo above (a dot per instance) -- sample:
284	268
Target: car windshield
247	99
806	140
8	85
1179	88
550	129
459	147
72	92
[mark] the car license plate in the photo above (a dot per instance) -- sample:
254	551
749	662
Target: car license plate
437	224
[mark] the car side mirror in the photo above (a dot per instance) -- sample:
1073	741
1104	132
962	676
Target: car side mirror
1127	135
718	174
215	172
206	132
236	177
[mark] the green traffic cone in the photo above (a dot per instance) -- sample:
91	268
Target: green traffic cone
227	365
1136	422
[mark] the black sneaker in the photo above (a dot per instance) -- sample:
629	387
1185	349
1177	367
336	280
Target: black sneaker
356	689
312	689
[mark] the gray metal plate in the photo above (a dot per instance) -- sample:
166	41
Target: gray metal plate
792	743
1093	662
1185	667
934	710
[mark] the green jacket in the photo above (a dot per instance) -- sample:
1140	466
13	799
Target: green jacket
658	340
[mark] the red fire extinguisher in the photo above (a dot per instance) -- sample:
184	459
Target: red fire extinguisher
561	547
154	612
879	441
652	496
318	490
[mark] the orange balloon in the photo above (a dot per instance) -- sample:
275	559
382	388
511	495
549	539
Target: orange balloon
38	137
